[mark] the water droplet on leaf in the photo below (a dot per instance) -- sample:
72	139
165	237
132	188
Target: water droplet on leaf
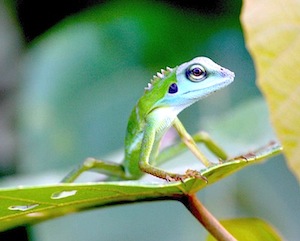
63	194
22	207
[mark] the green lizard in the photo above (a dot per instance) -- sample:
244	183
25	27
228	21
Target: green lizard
168	93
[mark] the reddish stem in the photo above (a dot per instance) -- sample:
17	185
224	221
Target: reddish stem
211	224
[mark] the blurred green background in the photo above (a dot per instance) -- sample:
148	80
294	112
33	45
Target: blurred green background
71	72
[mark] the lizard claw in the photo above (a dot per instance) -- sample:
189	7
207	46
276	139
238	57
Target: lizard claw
175	178
221	161
246	157
188	174
195	174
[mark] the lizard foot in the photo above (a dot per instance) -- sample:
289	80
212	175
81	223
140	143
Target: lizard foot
175	178
194	174
221	161
188	174
246	157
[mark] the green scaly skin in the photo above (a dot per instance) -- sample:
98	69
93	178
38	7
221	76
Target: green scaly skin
168	93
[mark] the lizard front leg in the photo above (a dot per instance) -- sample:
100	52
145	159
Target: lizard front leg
203	137
148	155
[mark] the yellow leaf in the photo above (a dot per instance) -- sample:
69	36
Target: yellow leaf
249	229
272	31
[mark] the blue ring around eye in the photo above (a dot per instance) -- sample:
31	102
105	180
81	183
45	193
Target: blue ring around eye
173	88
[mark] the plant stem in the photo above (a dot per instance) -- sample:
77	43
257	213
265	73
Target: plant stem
211	224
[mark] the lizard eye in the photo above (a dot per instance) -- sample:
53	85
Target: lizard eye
196	73
173	88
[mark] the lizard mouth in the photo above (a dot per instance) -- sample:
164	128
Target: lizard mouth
208	90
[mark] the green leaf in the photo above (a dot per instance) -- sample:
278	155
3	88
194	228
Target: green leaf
272	30
28	205
249	229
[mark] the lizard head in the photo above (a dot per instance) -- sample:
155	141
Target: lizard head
191	81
